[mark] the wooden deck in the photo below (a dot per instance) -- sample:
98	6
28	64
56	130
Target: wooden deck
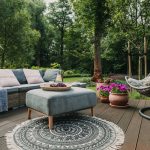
136	128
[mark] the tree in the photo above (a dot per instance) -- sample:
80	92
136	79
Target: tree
78	50
40	24
131	19
16	35
60	15
94	15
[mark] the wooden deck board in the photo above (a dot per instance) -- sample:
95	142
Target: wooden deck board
127	117
133	130
144	136
136	128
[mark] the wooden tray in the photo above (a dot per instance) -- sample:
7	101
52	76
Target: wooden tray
47	87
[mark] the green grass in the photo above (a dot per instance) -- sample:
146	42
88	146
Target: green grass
136	95
74	79
132	95
81	79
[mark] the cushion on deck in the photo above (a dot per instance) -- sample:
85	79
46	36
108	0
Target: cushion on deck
53	103
42	72
33	76
51	74
7	78
20	75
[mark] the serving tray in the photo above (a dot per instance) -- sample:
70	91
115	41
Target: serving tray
47	87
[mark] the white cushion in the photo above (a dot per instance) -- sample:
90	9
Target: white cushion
134	82
7	78
33	76
146	81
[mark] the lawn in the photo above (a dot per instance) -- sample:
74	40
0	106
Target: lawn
92	86
74	79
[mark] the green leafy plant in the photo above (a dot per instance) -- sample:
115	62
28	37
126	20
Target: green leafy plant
55	66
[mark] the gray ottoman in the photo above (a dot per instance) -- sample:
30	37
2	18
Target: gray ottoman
57	102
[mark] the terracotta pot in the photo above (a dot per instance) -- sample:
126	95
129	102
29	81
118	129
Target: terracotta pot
118	99
104	99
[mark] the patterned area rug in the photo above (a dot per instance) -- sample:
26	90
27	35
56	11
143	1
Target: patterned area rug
70	132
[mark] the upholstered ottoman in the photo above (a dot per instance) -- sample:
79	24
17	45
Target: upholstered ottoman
57	102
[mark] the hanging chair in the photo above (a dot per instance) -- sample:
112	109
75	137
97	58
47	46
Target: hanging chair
143	87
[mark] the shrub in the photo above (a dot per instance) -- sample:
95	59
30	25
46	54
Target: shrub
74	73
88	82
55	66
38	68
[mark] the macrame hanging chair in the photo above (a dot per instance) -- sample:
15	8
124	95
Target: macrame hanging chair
142	88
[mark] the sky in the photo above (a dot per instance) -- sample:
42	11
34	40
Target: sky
48	1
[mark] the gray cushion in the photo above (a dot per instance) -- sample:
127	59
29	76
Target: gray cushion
79	84
51	74
53	103
27	87
146	81
20	75
13	89
42	72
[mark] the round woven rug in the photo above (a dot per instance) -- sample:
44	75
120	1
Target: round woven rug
70	132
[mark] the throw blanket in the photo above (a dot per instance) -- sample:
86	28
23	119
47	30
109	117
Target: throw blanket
3	100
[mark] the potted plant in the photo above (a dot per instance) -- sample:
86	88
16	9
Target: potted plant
104	93
118	95
102	82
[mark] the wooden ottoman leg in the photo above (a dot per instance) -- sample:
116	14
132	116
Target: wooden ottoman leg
50	122
92	111
29	113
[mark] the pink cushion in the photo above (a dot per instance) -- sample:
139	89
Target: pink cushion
7	78
33	76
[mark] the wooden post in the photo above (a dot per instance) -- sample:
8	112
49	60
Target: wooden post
29	113
50	122
139	70
129	59
92	111
139	63
145	56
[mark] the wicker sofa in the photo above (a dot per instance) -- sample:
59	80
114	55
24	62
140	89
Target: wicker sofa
17	94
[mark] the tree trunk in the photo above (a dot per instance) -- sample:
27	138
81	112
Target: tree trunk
97	77
38	59
37	47
62	47
129	59
2	60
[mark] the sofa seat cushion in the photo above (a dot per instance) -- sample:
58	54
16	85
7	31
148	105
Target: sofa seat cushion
20	76
7	78
27	87
13	89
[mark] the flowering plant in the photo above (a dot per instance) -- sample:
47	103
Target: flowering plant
104	90
113	88
118	88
